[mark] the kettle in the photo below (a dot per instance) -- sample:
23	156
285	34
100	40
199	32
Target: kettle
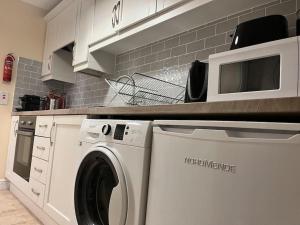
196	87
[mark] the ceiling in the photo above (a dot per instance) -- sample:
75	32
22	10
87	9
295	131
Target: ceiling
43	4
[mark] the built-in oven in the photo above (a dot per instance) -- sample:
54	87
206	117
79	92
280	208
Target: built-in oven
24	146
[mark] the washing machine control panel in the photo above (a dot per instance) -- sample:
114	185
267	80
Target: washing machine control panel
126	132
106	129
119	132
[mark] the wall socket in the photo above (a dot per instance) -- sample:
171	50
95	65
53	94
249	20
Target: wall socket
3	98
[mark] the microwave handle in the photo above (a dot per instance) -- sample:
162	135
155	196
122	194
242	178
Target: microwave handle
25	133
237	135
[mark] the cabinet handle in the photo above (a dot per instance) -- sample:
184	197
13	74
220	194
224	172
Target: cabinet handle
41	148
51	141
118	8
35	192
43	125
49	62
38	170
113	17
15	130
74	52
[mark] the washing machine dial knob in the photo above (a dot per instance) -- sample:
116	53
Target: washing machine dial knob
106	129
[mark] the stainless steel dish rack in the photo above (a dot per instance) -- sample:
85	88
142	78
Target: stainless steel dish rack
141	89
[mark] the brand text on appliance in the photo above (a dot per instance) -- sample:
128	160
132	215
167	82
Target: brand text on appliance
210	164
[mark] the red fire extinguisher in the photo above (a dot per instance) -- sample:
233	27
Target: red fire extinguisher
8	67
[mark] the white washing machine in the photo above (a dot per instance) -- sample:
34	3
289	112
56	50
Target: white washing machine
227	173
112	180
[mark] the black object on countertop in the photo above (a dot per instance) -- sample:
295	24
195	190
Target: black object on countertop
298	23
260	30
29	103
196	87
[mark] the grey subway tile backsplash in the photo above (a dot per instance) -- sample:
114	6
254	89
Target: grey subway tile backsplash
195	46
180	50
29	81
206	32
188	37
292	19
252	15
164	54
264	6
215	41
204	54
171	43
226	25
284	8
157	47
223	48
235	15
187	59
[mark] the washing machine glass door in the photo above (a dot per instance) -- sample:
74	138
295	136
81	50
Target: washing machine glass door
100	190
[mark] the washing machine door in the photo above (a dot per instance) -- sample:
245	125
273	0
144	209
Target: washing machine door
100	190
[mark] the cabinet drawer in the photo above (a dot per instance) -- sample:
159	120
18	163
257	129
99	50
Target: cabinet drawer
37	192
39	170
41	147
44	126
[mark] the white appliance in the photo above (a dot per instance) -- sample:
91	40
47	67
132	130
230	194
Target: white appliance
268	70
113	170
228	173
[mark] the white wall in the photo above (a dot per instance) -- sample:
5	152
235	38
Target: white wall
22	33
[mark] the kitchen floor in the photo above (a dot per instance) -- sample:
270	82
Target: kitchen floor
12	212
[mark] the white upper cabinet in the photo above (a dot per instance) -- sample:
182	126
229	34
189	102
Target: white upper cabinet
135	11
83	61
111	16
105	20
164	4
66	25
84	30
61	26
51	37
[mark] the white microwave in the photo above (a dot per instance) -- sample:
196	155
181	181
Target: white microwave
268	70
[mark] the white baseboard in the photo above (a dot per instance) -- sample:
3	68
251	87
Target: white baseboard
4	184
38	212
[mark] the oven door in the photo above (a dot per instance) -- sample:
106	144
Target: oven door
23	155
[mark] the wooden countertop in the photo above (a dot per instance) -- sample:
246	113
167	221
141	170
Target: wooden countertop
279	106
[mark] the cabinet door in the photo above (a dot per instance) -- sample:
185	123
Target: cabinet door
12	146
102	23
61	171
134	11
84	29
164	4
51	39
66	26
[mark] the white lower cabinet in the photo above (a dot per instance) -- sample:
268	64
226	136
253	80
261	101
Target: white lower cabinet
36	192
59	195
38	170
43	126
41	148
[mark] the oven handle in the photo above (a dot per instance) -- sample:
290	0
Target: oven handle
25	133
